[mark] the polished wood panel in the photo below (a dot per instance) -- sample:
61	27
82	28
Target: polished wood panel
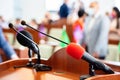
105	77
8	72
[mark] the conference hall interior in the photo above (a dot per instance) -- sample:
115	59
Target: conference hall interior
59	40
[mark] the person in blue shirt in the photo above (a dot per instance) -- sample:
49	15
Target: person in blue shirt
64	10
5	46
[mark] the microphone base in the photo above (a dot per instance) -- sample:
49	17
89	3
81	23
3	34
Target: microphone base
42	67
29	64
83	77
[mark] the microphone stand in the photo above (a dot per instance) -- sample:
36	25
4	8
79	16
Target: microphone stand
41	67
38	66
30	63
91	72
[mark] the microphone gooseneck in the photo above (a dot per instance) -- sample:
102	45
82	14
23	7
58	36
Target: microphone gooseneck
24	23
25	39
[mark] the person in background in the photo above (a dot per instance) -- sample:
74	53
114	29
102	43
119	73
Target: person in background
34	23
64	10
18	25
115	17
3	23
47	19
78	27
96	31
5	46
73	16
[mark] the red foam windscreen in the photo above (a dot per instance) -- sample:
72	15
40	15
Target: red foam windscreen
75	50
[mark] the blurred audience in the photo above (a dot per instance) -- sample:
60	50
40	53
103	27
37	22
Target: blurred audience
34	23
73	16
96	31
17	24
64	10
115	17
47	19
78	26
3	23
5	46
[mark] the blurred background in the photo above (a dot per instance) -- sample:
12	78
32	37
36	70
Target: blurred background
29	9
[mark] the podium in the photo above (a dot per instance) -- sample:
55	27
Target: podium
64	67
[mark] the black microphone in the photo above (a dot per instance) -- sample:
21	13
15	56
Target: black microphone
24	23
26	42
78	52
25	39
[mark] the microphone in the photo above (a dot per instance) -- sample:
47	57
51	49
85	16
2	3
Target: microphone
24	23
78	52
25	39
28	42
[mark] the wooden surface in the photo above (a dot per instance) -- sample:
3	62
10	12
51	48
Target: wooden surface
105	77
63	66
9	73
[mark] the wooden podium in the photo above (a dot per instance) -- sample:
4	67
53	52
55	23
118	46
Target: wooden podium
63	66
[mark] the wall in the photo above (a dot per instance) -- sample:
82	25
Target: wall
28	9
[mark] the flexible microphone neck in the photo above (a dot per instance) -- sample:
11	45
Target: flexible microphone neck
24	23
38	55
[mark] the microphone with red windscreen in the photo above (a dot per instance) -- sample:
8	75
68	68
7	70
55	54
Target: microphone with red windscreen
78	52
75	50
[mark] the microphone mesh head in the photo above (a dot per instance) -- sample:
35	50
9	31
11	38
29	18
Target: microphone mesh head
75	50
23	22
10	25
22	40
